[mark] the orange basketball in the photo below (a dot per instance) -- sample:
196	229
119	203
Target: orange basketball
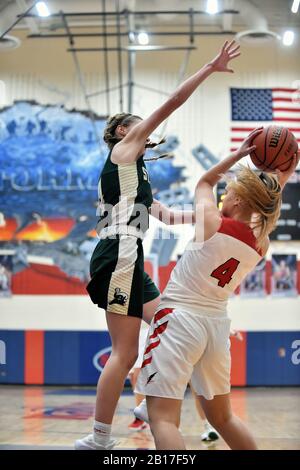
275	148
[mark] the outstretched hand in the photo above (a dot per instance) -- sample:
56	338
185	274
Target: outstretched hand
228	52
247	147
283	176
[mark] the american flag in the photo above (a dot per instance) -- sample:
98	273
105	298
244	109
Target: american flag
254	107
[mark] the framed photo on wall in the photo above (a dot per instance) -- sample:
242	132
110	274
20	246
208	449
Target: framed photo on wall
284	275
6	265
254	285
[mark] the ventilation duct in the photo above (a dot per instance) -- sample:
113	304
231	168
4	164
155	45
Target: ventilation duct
257	31
9	42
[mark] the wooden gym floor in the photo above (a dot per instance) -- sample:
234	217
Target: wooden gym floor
53	417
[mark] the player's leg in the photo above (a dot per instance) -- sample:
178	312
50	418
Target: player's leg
133	376
209	434
164	419
151	298
211	374
151	303
176	341
232	429
149	309
125	295
124	333
137	424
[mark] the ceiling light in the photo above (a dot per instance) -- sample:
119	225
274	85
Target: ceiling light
143	38
42	9
288	38
295	6
212	7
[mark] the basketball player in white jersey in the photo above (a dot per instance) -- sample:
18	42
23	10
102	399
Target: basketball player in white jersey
189	335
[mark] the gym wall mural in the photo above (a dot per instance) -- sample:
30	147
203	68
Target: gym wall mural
50	162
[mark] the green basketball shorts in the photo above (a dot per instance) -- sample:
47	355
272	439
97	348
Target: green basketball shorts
119	283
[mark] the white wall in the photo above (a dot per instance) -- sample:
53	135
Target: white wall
77	313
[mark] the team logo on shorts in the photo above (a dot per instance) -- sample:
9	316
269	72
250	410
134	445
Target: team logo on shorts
150	378
119	297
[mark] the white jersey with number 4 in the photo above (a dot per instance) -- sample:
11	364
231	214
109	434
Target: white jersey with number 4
209	272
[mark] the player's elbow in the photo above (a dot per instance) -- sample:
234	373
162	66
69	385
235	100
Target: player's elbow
203	181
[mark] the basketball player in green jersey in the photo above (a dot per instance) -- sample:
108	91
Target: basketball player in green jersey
118	283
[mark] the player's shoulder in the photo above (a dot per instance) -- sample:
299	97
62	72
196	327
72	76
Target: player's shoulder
239	231
207	223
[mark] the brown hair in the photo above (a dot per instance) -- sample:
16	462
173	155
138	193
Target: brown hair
262	193
121	119
125	119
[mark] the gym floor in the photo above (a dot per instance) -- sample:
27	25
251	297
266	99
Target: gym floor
54	417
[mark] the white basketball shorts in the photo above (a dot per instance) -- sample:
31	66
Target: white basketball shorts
142	343
183	347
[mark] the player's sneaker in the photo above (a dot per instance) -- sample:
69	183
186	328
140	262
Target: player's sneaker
88	443
137	425
209	435
140	411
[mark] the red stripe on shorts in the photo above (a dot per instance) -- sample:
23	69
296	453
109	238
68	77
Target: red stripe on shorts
160	329
162	313
151	346
147	361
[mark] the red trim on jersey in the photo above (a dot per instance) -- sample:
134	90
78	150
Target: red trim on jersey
240	231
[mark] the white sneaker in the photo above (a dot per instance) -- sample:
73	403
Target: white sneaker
88	443
210	435
140	412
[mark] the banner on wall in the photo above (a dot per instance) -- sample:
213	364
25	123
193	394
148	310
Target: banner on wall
6	266
254	285
284	275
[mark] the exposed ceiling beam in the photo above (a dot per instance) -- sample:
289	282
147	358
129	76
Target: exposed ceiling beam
133	48
137	13
13	9
158	33
31	23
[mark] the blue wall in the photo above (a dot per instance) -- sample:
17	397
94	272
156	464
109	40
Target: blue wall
76	358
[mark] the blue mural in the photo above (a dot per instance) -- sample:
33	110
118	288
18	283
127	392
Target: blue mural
50	160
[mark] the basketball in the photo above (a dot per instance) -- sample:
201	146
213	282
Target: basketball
275	148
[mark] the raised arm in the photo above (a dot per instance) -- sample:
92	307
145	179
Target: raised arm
169	216
127	150
208	217
204	189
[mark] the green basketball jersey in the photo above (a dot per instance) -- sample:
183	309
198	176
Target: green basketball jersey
125	195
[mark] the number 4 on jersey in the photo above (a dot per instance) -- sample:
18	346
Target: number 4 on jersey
225	271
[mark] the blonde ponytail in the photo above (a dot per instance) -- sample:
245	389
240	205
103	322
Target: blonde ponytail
262	193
